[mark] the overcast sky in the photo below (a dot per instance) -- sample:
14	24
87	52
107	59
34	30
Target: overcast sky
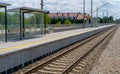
70	5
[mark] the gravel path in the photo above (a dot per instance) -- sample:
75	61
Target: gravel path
109	62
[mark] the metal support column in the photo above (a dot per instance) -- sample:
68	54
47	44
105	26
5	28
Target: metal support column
6	28
44	24
20	25
23	25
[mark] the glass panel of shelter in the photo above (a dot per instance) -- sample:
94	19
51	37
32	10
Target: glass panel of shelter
39	23
42	22
2	23
33	24
13	24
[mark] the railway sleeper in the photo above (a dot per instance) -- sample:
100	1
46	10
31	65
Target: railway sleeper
46	72
50	69
59	66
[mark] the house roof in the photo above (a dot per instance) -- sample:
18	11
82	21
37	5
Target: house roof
73	14
80	16
70	14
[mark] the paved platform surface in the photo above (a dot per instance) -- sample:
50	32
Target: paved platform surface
109	62
13	46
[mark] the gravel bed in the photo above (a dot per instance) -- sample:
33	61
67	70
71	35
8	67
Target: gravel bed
109	61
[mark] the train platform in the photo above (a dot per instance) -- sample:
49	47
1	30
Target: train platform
109	61
17	45
28	51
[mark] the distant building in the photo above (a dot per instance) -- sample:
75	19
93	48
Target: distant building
70	15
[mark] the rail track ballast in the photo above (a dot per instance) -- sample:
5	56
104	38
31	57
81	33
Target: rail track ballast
74	59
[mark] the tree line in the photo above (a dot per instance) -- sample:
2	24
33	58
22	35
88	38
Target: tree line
59	21
106	19
68	21
38	18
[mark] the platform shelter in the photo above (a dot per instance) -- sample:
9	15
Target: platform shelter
25	22
3	21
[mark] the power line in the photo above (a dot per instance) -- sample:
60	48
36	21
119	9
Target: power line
101	6
115	13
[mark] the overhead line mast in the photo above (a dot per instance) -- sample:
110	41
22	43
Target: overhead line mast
91	13
42	4
84	13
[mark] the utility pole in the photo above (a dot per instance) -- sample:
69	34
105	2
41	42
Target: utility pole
107	17
83	13
103	17
42	4
97	17
44	30
95	11
91	13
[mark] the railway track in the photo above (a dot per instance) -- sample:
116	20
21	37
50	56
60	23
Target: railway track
84	64
74	59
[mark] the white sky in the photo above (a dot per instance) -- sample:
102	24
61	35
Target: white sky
70	5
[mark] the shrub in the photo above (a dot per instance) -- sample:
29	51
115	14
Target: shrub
67	22
58	24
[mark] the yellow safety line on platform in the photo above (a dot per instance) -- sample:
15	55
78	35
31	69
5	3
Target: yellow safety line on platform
36	42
